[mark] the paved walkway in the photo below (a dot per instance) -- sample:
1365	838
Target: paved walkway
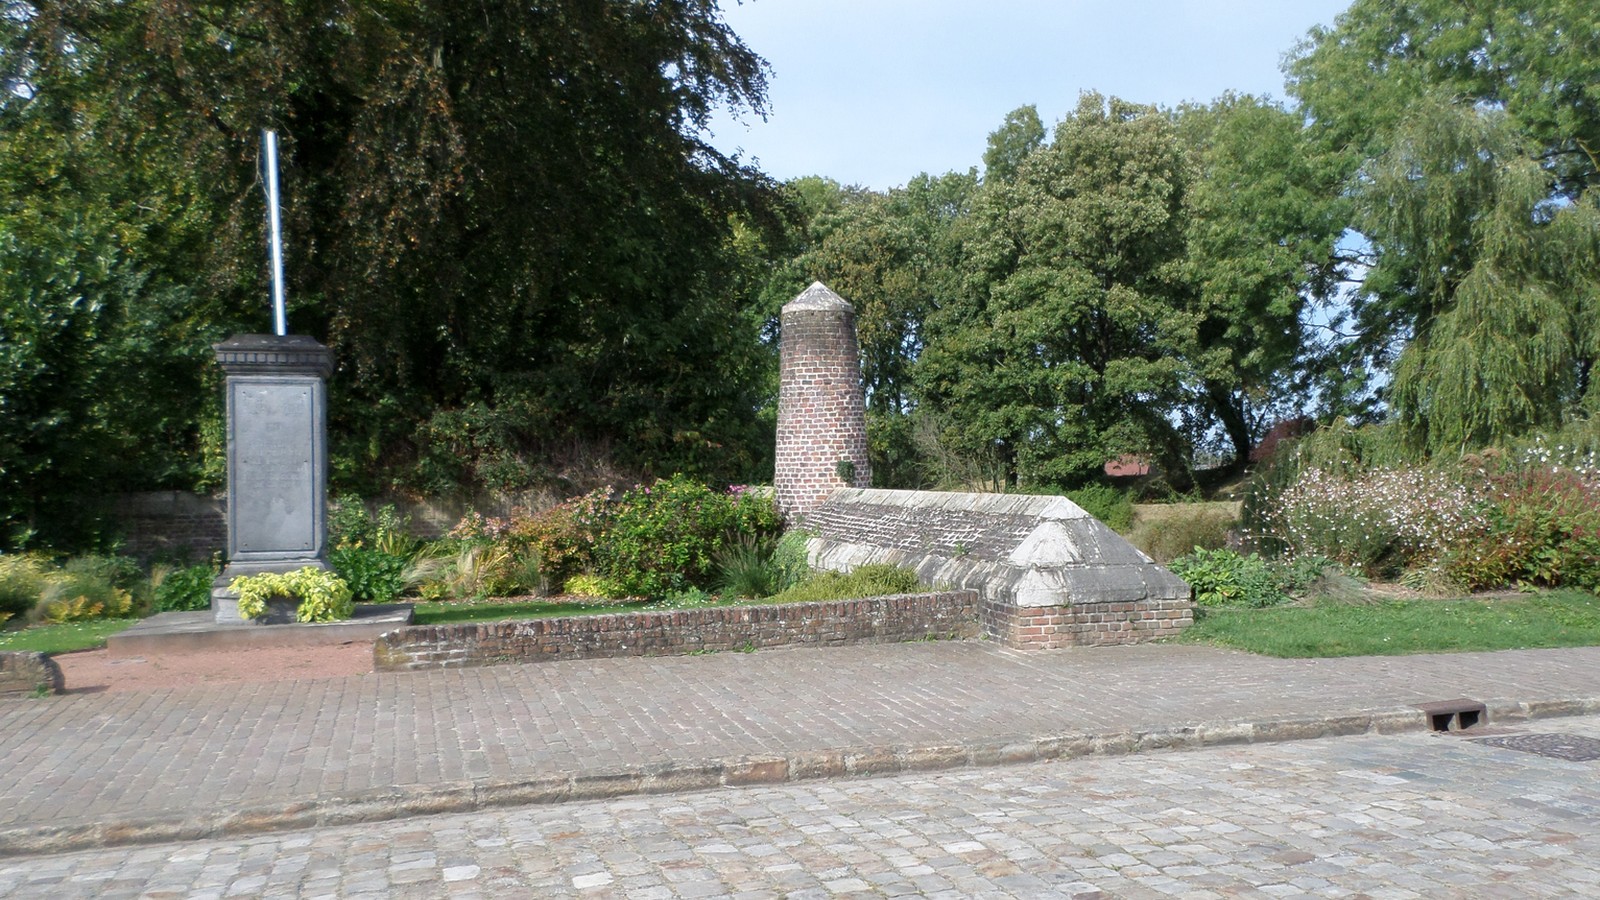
106	769
1376	816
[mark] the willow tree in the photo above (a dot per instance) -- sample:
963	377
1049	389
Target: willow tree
1470	138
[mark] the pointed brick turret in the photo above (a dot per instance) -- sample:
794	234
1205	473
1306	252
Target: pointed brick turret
822	414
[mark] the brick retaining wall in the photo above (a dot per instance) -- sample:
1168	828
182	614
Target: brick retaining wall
907	617
1085	624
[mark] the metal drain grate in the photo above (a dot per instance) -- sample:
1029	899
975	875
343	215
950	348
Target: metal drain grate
1569	747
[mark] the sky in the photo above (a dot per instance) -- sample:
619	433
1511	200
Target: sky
874	92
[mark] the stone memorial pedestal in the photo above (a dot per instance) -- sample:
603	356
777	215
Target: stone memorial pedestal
277	459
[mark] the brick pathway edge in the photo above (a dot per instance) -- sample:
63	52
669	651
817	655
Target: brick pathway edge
387	804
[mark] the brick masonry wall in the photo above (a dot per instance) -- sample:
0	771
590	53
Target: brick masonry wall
172	524
822	416
21	674
1084	624
948	614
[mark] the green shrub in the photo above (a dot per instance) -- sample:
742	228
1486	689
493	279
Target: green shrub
864	581
791	562
650	541
1225	578
183	590
351	525
22	583
373	575
1106	503
1181	529
562	537
594	586
688	598
746	569
660	538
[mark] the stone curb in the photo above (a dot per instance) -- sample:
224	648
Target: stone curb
467	796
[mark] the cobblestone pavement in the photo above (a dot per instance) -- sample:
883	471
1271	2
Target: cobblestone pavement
1413	815
130	757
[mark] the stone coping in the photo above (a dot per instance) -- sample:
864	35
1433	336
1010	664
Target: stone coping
177	632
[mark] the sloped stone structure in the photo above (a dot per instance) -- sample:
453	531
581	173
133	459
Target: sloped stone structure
1047	573
822	414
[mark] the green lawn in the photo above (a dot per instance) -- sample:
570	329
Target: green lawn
63	638
1554	619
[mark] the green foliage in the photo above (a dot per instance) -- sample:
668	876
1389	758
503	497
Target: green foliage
23	577
1225	578
478	570
864	581
1263	211
183	590
688	598
661	537
1106	503
594	586
791	560
1465	135
373	575
1062	350
80	594
1182	528
746	568
321	595
514	218
351	525
1541	527
1012	143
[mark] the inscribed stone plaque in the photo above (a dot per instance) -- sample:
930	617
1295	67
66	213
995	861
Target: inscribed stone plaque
273	489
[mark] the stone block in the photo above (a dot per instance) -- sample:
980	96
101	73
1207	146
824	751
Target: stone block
28	673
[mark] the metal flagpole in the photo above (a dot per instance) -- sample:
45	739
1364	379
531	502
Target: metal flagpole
269	141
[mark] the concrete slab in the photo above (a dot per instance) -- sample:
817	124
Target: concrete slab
179	632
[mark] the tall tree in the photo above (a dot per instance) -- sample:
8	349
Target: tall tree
1012	143
510	218
1263	215
1065	351
1470	137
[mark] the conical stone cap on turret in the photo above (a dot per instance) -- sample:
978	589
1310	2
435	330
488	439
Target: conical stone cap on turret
817	296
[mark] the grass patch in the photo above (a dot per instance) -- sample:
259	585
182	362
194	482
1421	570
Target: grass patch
1393	627
64	638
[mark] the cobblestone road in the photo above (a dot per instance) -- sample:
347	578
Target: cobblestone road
1414	815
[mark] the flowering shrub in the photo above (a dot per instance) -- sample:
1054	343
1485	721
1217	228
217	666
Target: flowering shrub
1542	524
1380	521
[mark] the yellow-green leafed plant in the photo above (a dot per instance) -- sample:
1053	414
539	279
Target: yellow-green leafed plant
322	595
114	604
